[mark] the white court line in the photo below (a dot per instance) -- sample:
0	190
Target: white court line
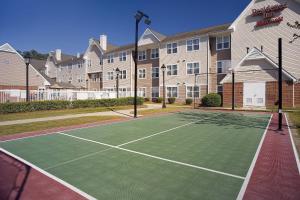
79	158
249	173
75	189
171	129
293	144
156	157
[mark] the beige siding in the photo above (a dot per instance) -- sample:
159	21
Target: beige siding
246	35
94	56
72	75
13	71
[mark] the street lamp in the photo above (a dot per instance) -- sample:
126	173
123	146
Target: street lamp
138	17
117	81
27	62
163	68
232	88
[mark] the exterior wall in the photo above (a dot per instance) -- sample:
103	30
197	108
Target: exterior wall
13	72
272	94
94	56
181	58
77	74
122	65
247	35
297	95
227	94
51	68
216	55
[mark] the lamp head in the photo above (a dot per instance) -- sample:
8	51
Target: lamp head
147	21
163	67
117	71
27	59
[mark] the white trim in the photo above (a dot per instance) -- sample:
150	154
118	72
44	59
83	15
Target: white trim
139	73
293	144
143	90
157	157
143	55
249	173
192	62
151	54
166	92
152	73
192	38
121	57
193	91
172	47
148	29
233	25
222	36
171	69
158	91
64	183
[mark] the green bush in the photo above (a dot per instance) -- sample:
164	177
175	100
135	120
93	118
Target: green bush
146	99
58	105
188	101
159	100
211	100
171	100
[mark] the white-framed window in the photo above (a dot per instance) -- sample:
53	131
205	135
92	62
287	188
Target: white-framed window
172	70
155	72
193	68
193	44
79	79
223	42
110	58
154	53
110	75
220	89
89	63
122	56
79	65
192	91
223	66
142	92
94	77
172	48
142	73
123	74
155	92
142	55
172	92
109	89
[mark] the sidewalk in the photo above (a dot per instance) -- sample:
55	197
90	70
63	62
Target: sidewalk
123	113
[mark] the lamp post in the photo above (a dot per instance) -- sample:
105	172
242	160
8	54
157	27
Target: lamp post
27	62
138	17
232	88
163	68
117	81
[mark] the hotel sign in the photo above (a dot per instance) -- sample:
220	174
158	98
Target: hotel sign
268	14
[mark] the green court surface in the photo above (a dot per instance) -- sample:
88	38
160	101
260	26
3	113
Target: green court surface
187	155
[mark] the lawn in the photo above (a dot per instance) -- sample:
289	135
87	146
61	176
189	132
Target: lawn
37	126
50	113
295	117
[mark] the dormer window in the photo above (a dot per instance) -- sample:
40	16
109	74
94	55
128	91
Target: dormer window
122	56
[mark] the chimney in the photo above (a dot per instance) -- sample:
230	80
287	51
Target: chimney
58	54
78	55
103	42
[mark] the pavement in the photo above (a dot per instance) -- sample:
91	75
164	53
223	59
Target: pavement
123	113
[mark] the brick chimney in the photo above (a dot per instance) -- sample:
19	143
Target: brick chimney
103	42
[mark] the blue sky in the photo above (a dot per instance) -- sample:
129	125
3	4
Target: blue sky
46	25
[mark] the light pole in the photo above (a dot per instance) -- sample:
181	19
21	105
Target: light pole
117	81
280	84
163	68
27	62
138	17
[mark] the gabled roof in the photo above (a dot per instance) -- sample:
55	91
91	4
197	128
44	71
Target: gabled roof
39	65
256	54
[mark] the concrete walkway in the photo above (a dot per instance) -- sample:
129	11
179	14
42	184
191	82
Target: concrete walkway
123	113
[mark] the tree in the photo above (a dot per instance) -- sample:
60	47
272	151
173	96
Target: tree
33	54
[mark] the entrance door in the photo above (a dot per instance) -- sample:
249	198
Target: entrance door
254	94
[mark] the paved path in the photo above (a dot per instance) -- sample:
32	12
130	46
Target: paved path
123	113
276	173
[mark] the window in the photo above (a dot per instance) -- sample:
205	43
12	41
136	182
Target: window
223	42
223	66
123	74
192	68
122	56
109	89
172	92
155	92
142	73
110	58
89	63
79	79
154	53
192	91
171	48
142	55
193	45
220	89
155	72
122	92
79	65
70	79
110	75
172	70
142	92
94	77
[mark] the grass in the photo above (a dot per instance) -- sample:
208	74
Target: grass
158	111
50	113
114	173
37	126
295	117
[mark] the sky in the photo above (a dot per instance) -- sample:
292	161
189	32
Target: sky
46	25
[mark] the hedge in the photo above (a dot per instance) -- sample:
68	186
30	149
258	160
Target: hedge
171	100
188	101
211	100
58	105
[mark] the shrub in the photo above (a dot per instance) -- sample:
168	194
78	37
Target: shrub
58	105
146	99
171	100
159	100
188	101
211	100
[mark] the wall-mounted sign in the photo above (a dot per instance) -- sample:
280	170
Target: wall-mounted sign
268	14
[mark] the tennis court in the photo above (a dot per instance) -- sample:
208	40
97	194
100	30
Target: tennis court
186	155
